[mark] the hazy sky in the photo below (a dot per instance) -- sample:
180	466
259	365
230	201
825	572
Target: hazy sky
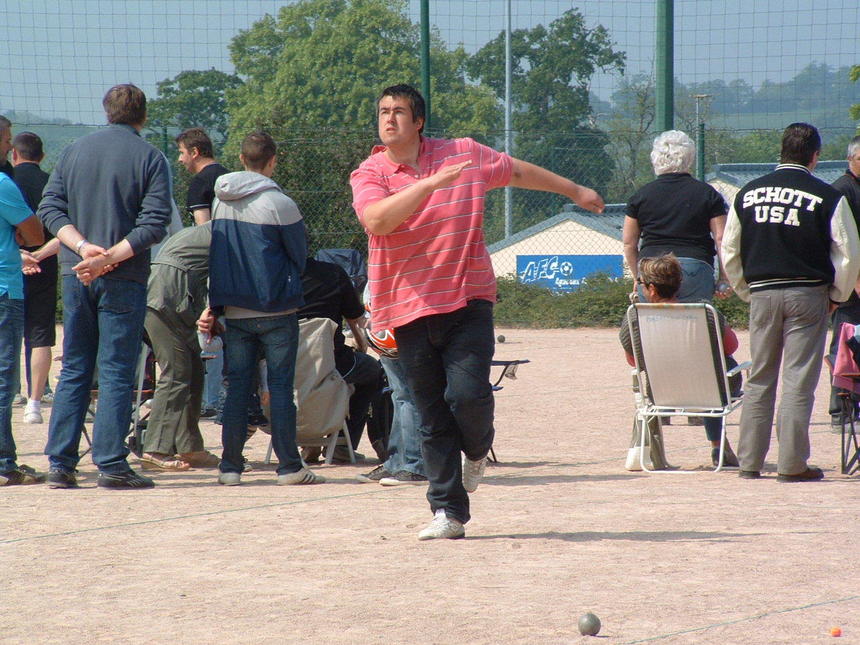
61	55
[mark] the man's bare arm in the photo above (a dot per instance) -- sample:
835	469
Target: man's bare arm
49	248
97	261
357	327
382	217
30	232
201	215
528	175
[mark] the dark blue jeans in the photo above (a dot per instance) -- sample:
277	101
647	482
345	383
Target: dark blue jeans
102	327
277	337
446	358
364	377
11	331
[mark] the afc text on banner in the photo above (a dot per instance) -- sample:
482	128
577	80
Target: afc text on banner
566	272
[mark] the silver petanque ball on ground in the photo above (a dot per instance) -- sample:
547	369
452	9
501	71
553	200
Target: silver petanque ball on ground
500	338
589	624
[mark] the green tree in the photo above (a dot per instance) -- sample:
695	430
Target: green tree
630	129
551	71
312	75
194	99
854	76
190	99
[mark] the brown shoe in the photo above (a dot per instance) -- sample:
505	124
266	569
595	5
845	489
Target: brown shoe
200	459
21	475
809	475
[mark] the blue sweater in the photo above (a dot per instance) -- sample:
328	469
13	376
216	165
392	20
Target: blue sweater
258	247
111	185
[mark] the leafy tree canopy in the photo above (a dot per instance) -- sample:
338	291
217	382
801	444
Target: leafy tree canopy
321	64
194	99
853	76
551	71
312	76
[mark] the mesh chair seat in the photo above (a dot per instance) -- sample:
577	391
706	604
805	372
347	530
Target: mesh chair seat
680	365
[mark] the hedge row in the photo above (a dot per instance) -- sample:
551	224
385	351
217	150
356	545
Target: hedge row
600	302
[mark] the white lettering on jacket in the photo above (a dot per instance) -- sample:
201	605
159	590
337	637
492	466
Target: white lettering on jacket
771	201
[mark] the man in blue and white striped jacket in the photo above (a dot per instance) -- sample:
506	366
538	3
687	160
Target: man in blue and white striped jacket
256	261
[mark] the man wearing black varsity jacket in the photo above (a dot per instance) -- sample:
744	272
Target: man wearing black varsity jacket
791	249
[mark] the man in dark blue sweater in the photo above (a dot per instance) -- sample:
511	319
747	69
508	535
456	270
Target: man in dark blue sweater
108	201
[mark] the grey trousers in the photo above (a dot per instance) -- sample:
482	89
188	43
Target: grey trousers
172	427
787	326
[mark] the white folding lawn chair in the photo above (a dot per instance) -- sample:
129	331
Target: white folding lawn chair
321	394
680	367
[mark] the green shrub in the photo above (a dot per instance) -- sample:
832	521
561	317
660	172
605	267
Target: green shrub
736	311
600	302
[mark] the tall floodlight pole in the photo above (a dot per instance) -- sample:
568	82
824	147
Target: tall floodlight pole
509	147
425	59
665	72
700	136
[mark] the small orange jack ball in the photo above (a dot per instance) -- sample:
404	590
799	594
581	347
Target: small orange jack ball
836	631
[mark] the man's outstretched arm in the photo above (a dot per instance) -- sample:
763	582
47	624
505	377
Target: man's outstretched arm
385	215
528	175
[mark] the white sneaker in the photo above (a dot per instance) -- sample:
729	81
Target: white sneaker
443	527
230	479
33	416
303	476
473	473
19	399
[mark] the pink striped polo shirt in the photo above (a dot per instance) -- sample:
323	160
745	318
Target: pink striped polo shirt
437	260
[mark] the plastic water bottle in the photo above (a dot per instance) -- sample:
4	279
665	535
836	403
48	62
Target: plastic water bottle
209	345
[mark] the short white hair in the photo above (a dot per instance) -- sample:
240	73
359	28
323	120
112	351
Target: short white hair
854	146
673	151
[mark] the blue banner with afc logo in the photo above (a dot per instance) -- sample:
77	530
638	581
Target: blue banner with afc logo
566	272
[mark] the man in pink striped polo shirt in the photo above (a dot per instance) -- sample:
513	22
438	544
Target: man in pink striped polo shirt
421	202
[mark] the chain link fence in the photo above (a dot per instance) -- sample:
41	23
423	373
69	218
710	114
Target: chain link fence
744	70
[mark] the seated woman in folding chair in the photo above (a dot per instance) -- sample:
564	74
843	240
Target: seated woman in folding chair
660	279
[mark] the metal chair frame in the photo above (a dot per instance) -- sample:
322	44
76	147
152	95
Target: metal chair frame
687	360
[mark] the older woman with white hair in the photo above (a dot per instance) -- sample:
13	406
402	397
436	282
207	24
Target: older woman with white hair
677	214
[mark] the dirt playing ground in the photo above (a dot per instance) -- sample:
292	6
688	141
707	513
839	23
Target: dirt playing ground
559	529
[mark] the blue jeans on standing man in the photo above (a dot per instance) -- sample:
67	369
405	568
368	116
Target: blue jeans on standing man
11	332
446	359
404	439
278	338
102	328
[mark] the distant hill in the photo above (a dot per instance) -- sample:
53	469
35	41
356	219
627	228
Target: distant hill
56	134
818	94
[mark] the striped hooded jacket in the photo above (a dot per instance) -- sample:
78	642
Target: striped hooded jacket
258	246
